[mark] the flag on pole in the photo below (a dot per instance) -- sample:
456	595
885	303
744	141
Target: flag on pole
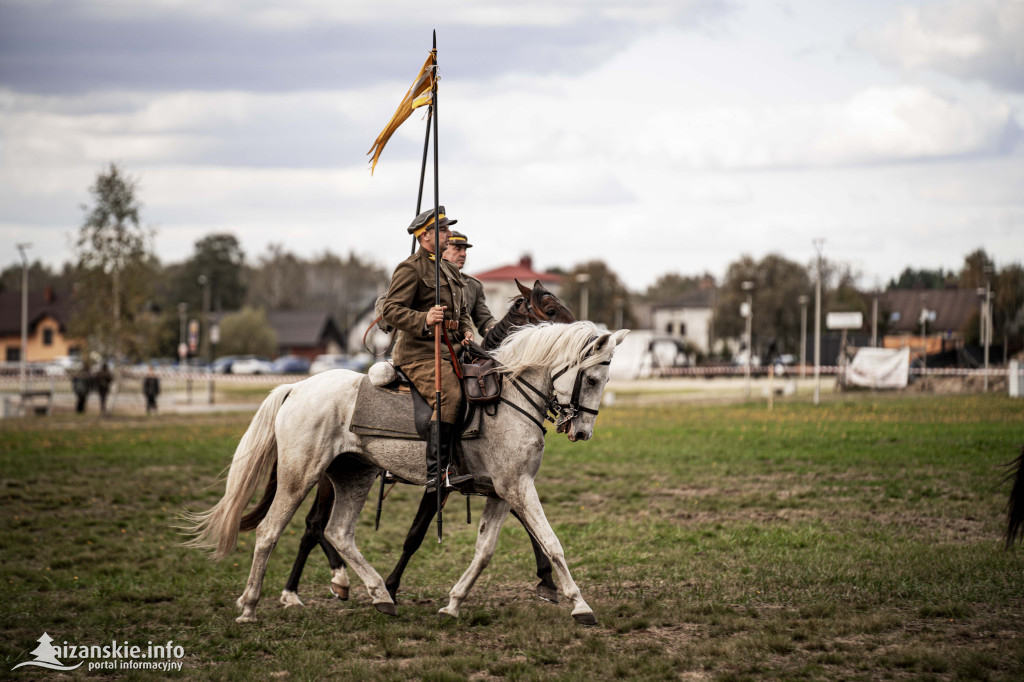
417	96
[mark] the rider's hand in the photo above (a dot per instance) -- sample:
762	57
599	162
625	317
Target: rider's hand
435	315
468	336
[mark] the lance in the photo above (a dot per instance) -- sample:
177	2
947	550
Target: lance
419	207
436	433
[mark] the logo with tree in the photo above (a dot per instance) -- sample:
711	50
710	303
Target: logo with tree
46	656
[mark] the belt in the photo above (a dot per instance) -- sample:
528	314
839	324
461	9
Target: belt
451	325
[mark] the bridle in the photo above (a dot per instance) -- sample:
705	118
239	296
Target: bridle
550	408
567	411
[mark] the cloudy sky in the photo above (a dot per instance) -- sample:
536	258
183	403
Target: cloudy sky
658	135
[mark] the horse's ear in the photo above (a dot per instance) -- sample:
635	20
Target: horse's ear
619	335
539	288
525	291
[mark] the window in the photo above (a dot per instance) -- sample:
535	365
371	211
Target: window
668	328
13	354
48	336
682	329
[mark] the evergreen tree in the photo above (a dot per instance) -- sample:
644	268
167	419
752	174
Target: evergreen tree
114	269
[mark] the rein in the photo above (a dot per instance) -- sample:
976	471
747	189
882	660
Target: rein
563	412
545	409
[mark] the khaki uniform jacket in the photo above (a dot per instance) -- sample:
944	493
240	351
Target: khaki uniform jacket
411	295
477	306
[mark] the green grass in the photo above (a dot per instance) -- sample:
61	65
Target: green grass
856	540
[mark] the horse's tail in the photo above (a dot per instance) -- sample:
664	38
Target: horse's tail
257	513
217	529
1015	505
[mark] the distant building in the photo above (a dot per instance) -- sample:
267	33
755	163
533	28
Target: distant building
48	316
688	318
500	283
951	312
306	333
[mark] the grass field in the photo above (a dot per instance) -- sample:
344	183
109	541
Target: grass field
856	540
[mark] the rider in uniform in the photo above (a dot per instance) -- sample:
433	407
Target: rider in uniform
474	291
409	307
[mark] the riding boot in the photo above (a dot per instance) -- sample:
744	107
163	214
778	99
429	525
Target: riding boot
432	456
464	481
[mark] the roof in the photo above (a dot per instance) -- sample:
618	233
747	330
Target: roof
523	271
297	328
302	327
41	303
954	308
701	298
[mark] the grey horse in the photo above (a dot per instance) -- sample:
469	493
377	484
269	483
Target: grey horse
308	435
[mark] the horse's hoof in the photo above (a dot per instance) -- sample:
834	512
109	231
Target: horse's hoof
290	599
245	619
585	618
446	612
340	591
386	608
547	593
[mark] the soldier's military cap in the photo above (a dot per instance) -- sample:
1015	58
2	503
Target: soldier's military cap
426	219
458	239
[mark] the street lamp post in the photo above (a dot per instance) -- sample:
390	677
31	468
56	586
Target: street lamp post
182	338
818	244
985	324
748	287
204	282
583	278
24	317
924	344
803	300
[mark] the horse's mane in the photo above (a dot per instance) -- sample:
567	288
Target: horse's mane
553	345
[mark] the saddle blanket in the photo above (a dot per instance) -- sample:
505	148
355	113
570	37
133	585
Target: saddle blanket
388	413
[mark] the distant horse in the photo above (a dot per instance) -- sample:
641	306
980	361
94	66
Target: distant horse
304	429
1015	505
532	306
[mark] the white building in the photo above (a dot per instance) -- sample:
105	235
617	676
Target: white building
690	318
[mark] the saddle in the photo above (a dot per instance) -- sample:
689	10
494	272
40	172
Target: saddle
397	410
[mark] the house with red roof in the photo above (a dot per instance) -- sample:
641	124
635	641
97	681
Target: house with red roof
48	314
500	283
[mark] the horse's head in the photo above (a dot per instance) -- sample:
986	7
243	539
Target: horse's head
543	306
579	393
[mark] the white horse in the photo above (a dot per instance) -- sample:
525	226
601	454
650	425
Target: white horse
304	427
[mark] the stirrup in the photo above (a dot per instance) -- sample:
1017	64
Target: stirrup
455	482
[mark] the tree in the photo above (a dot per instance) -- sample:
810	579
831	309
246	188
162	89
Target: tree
114	267
978	269
924	279
220	258
1008	302
247	332
344	287
673	286
778	284
606	295
40	275
278	282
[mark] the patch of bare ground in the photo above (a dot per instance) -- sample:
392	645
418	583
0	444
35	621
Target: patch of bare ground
962	530
957	385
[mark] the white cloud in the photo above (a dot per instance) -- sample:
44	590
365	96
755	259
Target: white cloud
969	39
299	14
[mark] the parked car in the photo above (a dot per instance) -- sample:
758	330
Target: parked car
222	365
252	364
193	365
63	364
322	363
291	364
